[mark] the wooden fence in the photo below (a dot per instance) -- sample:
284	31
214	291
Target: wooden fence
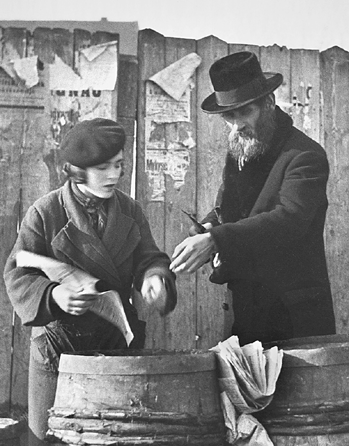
315	92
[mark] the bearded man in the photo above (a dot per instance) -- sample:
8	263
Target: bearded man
266	232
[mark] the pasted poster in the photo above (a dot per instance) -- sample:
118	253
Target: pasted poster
160	107
67	107
86	93
166	157
168	94
22	134
16	96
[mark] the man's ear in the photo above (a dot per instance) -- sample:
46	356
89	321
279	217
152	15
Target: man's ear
271	101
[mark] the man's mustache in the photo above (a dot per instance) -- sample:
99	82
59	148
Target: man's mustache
243	134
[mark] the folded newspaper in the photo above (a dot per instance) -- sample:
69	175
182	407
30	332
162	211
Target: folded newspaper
247	380
108	305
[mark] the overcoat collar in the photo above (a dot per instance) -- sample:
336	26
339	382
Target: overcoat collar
80	243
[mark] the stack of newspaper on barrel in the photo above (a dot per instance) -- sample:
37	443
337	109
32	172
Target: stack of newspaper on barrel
247	380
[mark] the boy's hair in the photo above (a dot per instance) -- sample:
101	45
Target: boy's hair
74	173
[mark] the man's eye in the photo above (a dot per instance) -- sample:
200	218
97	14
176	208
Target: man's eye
245	111
228	115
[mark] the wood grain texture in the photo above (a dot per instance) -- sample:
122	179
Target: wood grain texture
174	394
12	131
335	123
151	49
212	144
305	90
126	113
181	324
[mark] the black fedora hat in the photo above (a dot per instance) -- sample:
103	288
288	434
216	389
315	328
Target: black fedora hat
238	80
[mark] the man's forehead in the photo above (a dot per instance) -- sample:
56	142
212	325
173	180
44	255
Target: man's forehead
240	110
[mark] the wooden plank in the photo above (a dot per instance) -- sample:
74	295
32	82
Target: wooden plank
180	326
228	298
10	137
305	89
12	131
169	225
212	145
277	59
126	113
151	58
335	88
237	47
9	204
33	182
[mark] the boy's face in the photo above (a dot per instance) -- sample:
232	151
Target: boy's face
101	180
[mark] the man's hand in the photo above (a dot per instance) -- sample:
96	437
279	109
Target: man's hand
70	299
154	292
192	253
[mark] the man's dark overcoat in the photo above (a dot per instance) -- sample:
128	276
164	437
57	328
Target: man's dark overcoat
270	239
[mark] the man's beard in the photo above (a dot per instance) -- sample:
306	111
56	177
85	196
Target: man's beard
247	145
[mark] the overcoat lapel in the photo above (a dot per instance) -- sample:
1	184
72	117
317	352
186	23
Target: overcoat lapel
82	246
267	196
121	234
275	164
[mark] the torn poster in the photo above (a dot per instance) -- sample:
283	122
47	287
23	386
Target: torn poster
86	93
14	95
163	158
23	70
177	77
63	77
160	107
98	66
69	107
96	69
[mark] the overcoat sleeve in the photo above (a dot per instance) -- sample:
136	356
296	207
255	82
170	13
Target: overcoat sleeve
149	260
29	289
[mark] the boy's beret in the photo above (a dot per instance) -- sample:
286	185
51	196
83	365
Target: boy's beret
92	142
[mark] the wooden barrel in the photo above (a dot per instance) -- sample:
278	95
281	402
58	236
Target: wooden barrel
10	432
138	398
311	401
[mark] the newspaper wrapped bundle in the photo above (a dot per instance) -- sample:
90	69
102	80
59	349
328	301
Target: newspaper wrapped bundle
108	305
247	381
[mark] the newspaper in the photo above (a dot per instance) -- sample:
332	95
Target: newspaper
108	305
247	380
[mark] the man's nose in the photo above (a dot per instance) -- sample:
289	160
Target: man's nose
236	124
239	124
